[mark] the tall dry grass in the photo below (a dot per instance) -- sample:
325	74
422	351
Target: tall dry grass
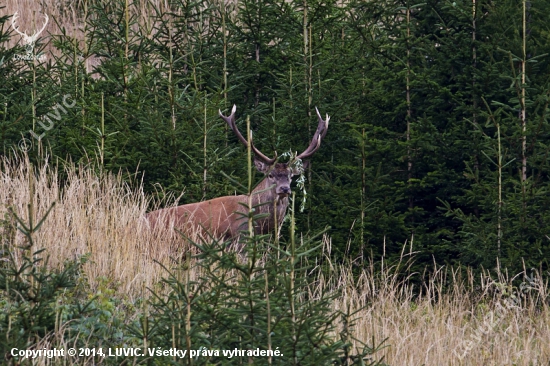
96	215
71	16
451	319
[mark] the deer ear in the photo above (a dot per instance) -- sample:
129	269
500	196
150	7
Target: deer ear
261	166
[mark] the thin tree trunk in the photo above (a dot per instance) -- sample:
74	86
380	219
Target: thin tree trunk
409	111
523	115
474	94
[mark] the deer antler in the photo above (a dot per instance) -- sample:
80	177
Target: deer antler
320	133
231	122
13	19
42	29
26	38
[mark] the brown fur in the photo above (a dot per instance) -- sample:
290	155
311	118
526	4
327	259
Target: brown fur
225	217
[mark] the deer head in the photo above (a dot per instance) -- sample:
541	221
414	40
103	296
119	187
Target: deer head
279	175
223	216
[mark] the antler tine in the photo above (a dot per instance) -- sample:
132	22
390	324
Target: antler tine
13	19
231	122
43	27
320	133
327	119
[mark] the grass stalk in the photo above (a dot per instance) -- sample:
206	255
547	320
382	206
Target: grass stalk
268	306
204	150
292	279
249	162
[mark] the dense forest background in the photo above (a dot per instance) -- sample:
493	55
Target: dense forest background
439	135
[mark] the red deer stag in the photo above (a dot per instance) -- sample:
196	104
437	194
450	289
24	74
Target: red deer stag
222	217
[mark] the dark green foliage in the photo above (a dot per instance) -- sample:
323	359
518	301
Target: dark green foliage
29	290
246	302
415	90
53	305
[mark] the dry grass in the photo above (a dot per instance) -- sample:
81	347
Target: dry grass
102	216
71	15
455	326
